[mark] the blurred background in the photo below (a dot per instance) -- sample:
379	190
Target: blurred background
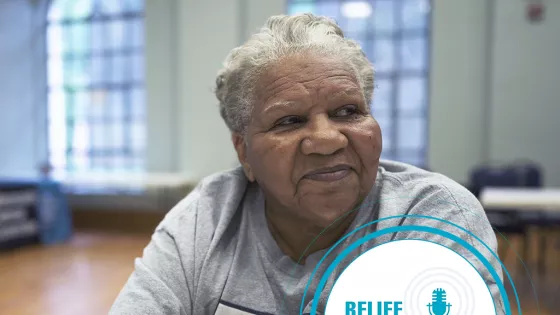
107	119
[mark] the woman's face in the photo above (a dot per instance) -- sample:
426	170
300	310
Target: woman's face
311	144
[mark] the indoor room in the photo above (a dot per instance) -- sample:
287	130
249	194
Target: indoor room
111	114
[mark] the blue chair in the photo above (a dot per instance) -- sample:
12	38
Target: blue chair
54	213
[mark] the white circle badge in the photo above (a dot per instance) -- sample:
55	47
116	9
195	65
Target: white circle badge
410	277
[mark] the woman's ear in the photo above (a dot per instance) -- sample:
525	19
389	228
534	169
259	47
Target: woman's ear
241	148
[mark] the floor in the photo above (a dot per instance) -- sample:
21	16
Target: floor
84	277
529	281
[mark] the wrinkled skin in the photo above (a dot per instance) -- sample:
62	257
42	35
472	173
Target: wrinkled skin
310	114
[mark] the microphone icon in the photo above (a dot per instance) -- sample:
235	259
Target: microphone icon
439	305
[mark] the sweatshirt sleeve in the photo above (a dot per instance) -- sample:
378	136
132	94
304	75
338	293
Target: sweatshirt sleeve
161	281
156	283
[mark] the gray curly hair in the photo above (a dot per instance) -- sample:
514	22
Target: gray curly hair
283	36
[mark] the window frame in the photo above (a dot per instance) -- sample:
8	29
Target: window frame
123	151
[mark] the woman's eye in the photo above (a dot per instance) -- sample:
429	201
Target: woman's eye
289	120
347	111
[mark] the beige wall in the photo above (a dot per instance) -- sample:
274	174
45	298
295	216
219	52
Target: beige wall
458	86
187	41
525	112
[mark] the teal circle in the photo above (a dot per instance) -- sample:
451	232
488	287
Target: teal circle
368	237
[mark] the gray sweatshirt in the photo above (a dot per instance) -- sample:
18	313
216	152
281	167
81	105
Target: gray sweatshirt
213	252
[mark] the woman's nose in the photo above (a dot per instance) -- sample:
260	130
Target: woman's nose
323	137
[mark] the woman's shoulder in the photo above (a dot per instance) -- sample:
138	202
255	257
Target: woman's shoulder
210	205
418	194
412	185
406	177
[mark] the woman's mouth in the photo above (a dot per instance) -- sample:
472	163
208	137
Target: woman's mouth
329	174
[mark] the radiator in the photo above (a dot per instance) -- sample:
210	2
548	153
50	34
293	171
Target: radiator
145	192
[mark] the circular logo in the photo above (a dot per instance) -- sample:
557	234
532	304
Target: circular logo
410	277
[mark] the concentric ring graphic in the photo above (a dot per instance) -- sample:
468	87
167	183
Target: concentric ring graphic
436	231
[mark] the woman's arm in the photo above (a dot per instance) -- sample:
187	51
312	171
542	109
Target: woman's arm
158	284
163	278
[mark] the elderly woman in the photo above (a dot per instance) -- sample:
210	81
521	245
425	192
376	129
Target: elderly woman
296	98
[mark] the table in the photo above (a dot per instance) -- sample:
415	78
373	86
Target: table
522	199
543	202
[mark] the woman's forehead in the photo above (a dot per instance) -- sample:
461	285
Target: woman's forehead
306	68
299	76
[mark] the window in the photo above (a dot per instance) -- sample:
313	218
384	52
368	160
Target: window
96	101
395	35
